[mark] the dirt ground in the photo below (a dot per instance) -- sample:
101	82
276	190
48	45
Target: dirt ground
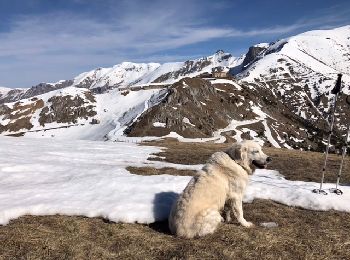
301	234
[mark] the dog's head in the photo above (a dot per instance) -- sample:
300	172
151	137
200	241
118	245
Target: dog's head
247	153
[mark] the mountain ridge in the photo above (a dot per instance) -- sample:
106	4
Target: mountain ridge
279	93
129	74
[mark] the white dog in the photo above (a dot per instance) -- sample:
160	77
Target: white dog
222	180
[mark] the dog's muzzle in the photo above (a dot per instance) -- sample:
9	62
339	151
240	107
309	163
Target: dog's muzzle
262	165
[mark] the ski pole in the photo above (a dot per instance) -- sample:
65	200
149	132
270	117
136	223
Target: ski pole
345	147
344	151
336	90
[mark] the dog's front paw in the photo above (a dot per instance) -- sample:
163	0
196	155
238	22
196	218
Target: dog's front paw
247	224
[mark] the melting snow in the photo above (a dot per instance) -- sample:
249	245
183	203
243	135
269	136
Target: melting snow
221	90
159	124
89	178
226	81
187	121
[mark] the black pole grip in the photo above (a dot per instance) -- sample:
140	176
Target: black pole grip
337	87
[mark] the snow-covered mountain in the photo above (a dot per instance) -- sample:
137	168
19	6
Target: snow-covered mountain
76	113
10	94
280	95
314	57
129	74
123	74
4	90
15	94
302	70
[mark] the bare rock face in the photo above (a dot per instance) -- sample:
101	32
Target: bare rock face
190	66
196	108
43	88
61	109
12	96
67	109
19	115
252	54
189	109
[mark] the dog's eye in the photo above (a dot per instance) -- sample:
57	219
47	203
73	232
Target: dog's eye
255	151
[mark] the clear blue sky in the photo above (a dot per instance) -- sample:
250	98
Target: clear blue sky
49	40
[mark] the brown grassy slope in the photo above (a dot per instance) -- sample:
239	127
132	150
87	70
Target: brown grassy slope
302	234
293	164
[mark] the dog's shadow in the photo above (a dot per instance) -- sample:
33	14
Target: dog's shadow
162	204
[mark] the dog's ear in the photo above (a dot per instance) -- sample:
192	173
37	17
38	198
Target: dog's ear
235	152
239	153
244	160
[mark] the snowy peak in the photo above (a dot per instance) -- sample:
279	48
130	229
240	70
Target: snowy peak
128	74
192	68
329	49
301	71
315	54
220	57
4	91
262	45
11	95
326	51
119	75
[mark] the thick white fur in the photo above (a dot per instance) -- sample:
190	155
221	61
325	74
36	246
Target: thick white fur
222	180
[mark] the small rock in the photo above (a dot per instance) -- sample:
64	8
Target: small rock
269	224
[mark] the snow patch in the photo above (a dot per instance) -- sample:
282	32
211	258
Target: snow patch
185	120
159	124
89	178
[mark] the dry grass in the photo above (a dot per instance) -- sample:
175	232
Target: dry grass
302	234
293	164
153	171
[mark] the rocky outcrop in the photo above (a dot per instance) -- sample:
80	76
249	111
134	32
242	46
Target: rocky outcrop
19	116
43	88
189	109
196	108
60	108
67	109
12	96
251	55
